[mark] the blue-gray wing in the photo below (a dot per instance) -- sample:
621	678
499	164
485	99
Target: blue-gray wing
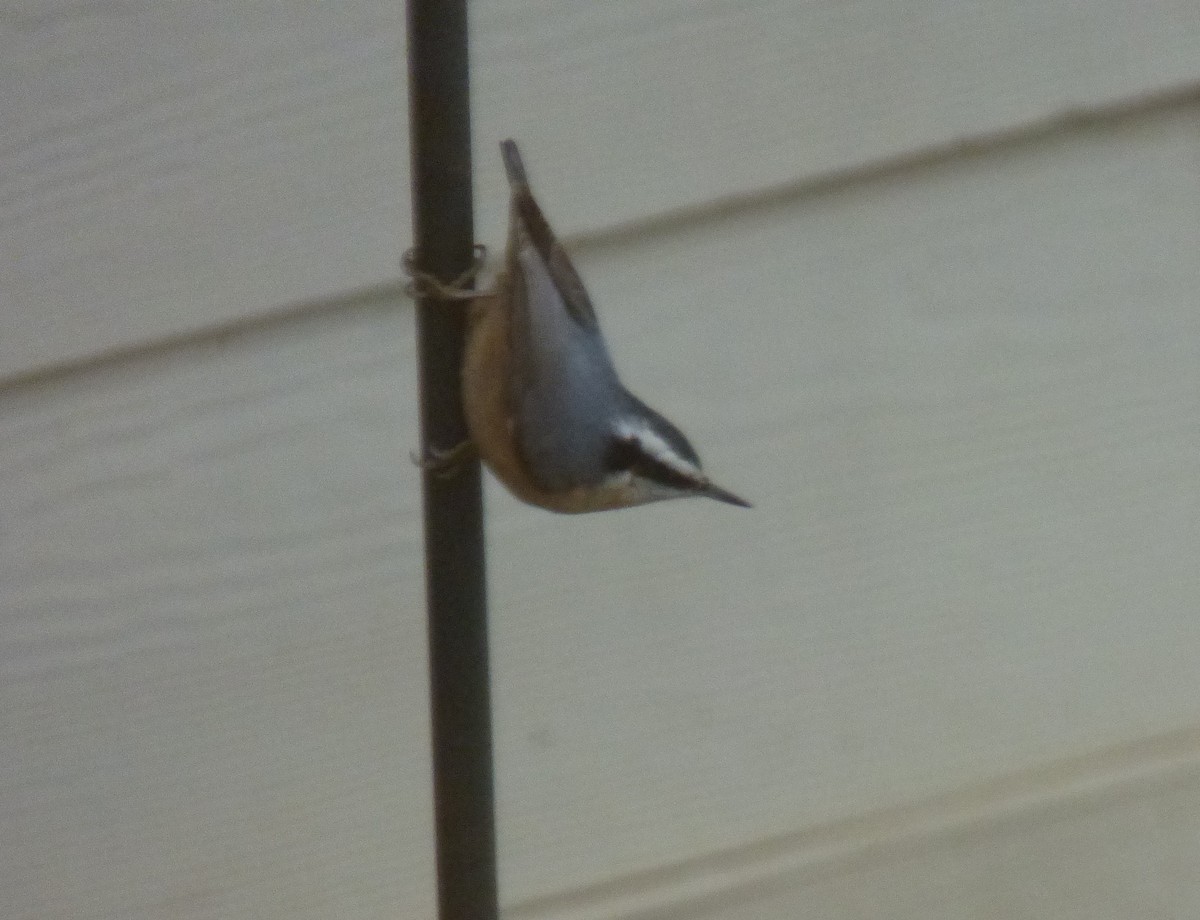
564	385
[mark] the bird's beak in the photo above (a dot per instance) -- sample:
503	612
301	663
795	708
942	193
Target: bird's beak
711	490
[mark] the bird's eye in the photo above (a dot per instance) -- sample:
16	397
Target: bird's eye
623	454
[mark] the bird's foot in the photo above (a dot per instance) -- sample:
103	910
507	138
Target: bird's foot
446	464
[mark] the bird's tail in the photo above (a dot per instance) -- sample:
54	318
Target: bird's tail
513	164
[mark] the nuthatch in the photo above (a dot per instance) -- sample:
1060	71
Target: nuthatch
543	403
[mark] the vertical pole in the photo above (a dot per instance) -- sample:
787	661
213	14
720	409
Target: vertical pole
443	234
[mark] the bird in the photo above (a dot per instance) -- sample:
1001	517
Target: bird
544	407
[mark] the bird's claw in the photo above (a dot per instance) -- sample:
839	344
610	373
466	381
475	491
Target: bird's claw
445	464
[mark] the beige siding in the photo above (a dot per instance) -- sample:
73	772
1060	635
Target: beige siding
213	648
173	166
945	669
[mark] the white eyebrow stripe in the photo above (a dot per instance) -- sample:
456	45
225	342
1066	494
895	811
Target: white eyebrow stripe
655	446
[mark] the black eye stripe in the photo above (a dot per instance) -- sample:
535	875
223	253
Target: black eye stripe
628	454
621	455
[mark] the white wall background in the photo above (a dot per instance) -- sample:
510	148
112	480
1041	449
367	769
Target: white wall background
920	279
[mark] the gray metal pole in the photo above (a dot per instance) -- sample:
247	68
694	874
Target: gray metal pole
443	234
